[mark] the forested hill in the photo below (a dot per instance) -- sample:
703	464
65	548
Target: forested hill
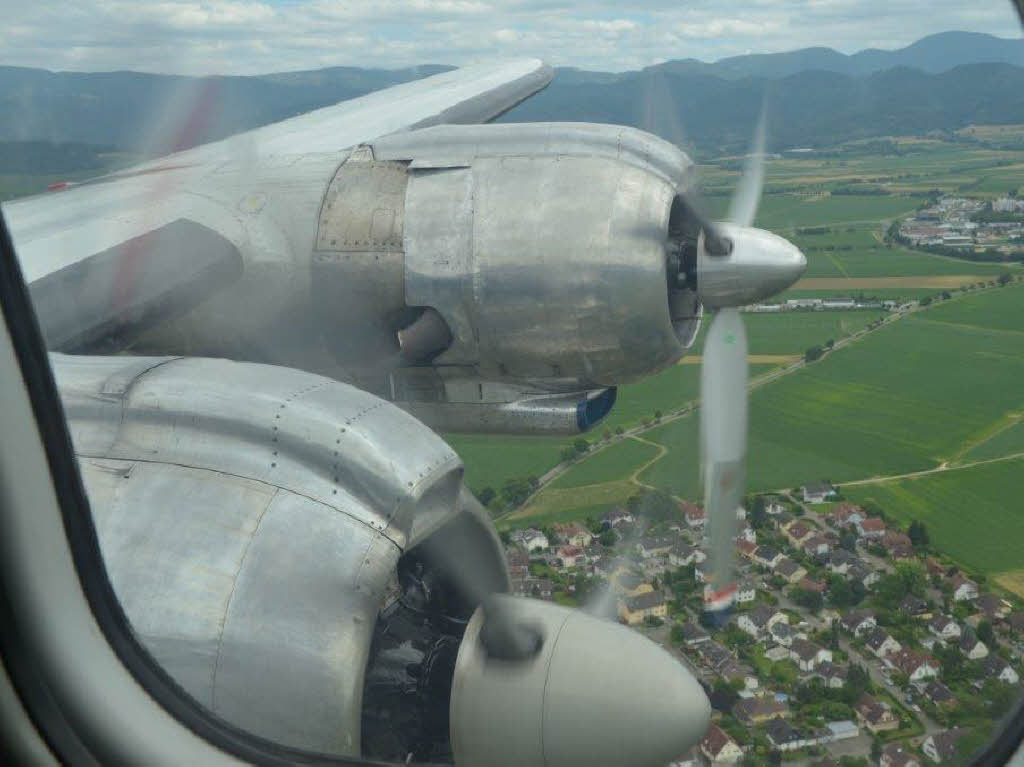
816	97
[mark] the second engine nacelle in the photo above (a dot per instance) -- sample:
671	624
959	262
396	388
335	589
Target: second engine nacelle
529	254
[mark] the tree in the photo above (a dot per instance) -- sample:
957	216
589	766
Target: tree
830	343
618	430
657	415
813	353
876	749
486	495
608	539
810	600
516	490
653	505
1003	279
606	435
581	445
567	455
918	534
985	633
848	540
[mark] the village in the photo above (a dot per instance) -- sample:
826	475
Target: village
849	642
963	223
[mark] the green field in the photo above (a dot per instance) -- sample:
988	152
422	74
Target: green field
1001	310
972	514
491	459
904	399
1008	441
617	461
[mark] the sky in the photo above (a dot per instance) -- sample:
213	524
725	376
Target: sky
258	36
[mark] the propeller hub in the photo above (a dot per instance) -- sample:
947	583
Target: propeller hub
759	264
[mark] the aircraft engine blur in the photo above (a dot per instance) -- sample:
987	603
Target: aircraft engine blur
508	263
537	265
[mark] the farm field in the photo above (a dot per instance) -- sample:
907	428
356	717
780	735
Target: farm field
1007	441
971	514
615	462
903	400
491	459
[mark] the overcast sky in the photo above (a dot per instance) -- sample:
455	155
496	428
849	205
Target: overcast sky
250	37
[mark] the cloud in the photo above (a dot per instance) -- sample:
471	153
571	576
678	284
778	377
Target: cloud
255	36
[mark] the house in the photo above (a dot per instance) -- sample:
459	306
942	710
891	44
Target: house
941	746
682	554
872	527
972	647
808	655
798	532
917	667
693	634
806	584
574	535
746	533
865	575
789	570
616	516
745	592
840	561
760	619
782	633
634	610
832	675
767	556
817	546
751	711
944	627
997	668
939	695
880	643
719	748
892	540
963	588
1015	622
846	514
915	607
518	563
538	588
817	492
858	622
773	506
714	655
530	539
693	514
571	556
746	548
785	737
736	671
992	606
875	715
898	755
654	547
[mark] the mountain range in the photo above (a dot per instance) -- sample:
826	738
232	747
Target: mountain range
815	97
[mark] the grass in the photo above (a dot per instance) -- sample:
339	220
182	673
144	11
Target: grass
617	461
1001	309
538	517
1007	441
491	459
972	514
902	400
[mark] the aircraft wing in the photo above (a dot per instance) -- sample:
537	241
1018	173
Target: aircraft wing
107	259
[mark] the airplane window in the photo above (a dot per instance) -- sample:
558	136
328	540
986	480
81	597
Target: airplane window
636	386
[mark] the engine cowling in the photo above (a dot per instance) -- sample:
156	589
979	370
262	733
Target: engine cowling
514	261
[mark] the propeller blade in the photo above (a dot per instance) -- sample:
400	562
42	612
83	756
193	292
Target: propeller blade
724	447
743	207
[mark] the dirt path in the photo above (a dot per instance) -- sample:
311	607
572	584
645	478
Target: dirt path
942	467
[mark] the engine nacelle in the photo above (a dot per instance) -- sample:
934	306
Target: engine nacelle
527	255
